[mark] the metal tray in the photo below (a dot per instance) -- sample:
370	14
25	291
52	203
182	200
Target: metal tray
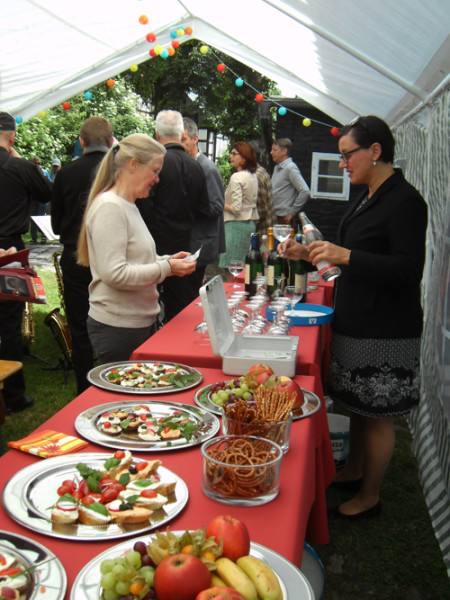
310	406
49	580
29	495
97	376
293	583
87	425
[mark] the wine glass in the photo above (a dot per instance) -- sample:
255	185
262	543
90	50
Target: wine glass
235	267
281	232
294	294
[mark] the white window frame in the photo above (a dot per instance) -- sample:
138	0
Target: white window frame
316	158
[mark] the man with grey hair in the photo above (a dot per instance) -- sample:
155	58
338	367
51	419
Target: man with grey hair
208	232
289	190
19	180
173	206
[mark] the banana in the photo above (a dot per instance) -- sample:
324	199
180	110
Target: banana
263	577
215	580
235	577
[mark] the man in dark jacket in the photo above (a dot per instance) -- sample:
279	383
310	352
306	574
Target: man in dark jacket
19	181
175	202
69	198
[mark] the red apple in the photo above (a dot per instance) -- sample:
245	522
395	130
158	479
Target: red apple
286	384
258	374
234	535
180	577
220	593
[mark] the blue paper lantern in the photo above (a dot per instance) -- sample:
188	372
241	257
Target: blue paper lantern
282	111
164	53
88	95
19	120
173	34
239	82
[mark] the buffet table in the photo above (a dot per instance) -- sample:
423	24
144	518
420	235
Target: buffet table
297	513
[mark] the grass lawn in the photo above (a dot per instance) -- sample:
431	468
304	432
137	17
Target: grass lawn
394	557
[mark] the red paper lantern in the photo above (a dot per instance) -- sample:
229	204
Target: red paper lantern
221	67
152	52
110	83
334	131
259	97
175	44
150	37
66	105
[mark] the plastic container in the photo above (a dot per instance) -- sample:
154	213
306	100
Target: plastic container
339	426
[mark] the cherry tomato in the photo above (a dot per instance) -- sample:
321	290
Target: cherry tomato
108	496
84	488
77	494
140	466
69	483
64	489
106	482
119	454
117	487
9	572
86	500
149	494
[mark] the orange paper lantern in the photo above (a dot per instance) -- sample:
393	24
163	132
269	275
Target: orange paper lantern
110	83
143	19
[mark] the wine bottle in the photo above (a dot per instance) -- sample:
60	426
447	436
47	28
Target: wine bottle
327	271
253	265
298	275
274	264
265	250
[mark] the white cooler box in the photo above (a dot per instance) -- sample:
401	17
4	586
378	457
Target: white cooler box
240	352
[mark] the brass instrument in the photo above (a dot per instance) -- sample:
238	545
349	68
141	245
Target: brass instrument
57	322
28	325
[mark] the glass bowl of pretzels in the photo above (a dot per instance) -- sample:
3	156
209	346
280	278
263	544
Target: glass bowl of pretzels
241	470
267	415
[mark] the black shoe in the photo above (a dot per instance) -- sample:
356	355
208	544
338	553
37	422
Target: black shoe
370	513
27	402
347	486
43	240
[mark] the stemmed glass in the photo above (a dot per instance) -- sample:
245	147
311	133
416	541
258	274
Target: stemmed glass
235	267
281	232
294	294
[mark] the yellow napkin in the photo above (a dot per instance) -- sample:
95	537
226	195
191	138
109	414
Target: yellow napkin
48	443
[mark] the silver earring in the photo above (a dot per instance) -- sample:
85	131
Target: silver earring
374	163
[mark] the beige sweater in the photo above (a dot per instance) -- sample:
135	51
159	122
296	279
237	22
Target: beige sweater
124	264
241	194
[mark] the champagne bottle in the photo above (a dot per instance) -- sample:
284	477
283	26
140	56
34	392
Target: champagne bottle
253	265
265	250
327	271
274	264
298	274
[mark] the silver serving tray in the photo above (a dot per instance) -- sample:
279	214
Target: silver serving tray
87	425
97	376
293	583
49	581
311	404
29	495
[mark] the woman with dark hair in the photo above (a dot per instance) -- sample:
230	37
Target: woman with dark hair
377	326
240	212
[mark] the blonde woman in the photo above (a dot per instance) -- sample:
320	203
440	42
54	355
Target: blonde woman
118	247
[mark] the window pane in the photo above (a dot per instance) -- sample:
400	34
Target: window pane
330	167
330	185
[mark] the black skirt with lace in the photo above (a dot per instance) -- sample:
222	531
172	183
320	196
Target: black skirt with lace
375	377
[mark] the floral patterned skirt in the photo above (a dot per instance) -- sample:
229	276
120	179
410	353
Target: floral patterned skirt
375	377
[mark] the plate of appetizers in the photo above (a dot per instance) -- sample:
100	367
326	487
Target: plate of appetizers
29	569
148	427
94	496
145	377
207	397
291	583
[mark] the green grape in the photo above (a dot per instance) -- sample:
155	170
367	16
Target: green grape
123	588
106	566
134	559
148	574
244	387
110	595
214	397
120	572
108	581
239	392
223	394
247	395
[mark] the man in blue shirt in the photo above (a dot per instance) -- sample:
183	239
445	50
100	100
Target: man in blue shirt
289	190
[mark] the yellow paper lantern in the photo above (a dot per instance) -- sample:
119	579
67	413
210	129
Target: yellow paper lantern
133	68
158	49
42	114
306	122
204	49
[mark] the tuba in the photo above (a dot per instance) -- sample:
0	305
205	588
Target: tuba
57	322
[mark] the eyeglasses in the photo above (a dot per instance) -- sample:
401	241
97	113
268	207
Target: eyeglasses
234	153
346	155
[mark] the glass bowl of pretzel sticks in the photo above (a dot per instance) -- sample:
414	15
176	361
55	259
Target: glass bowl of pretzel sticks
267	415
241	470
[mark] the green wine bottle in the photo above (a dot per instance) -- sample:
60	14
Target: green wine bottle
274	264
253	265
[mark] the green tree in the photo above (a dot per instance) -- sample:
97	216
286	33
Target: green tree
190	83
57	132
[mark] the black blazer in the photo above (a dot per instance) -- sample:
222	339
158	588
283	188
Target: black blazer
378	293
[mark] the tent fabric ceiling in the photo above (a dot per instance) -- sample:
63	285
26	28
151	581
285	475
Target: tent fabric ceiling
346	58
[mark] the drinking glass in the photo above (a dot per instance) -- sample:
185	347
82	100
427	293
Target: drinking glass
281	232
293	293
235	267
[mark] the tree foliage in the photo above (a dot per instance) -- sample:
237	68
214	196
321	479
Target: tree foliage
190	83
55	134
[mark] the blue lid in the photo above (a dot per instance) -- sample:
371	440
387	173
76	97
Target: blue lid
306	314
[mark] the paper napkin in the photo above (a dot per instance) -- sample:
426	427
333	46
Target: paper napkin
48	443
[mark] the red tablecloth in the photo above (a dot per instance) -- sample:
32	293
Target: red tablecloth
298	511
176	341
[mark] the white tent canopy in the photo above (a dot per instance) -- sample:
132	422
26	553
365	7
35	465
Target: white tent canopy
345	57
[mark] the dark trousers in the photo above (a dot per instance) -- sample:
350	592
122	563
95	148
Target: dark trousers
76	280
11	344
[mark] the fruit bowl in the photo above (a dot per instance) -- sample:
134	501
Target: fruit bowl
241	470
278	432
